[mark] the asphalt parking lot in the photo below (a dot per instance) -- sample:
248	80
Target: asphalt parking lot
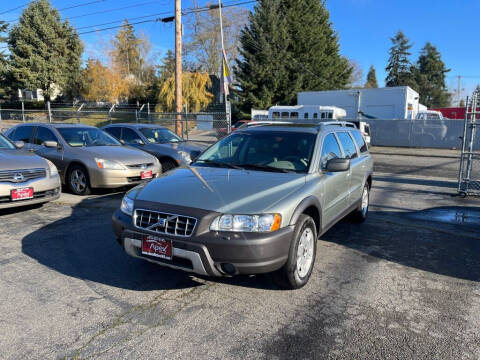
404	285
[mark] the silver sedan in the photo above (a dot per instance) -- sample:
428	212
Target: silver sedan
87	157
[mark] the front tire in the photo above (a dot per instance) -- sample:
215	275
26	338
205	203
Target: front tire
78	180
301	258
167	165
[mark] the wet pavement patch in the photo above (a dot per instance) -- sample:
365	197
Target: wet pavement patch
467	216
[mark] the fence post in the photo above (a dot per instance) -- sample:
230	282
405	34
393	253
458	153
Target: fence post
148	113
49	112
23	112
78	112
110	113
0	114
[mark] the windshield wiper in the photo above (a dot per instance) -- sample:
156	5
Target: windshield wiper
265	168
220	164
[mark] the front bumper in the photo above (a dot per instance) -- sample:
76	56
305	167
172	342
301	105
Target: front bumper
212	253
45	189
103	178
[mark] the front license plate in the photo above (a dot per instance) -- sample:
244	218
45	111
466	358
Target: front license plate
22	194
146	175
155	246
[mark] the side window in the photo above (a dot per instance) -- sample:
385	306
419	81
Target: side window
330	150
294	115
285	115
360	141
114	131
348	145
305	116
275	115
323	115
330	115
42	135
23	133
129	136
315	115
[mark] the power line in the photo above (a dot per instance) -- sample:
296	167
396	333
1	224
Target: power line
184	12
15	8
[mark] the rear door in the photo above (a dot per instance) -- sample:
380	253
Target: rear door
357	166
336	184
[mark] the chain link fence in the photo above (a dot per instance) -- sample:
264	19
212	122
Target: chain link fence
202	127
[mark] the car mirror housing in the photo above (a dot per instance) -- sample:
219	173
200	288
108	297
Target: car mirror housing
50	144
139	142
19	144
122	142
338	165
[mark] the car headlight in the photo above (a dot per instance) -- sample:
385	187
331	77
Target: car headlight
53	169
247	223
109	165
186	156
127	205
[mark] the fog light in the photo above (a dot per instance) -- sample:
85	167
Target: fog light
228	269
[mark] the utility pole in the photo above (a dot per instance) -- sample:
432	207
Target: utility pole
459	85
178	66
225	90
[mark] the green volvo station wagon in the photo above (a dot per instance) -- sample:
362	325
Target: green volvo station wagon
255	202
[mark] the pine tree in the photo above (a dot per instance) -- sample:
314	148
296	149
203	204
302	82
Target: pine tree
288	46
430	73
371	78
399	68
44	51
4	75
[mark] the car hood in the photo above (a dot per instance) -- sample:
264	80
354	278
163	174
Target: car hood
20	160
221	190
122	154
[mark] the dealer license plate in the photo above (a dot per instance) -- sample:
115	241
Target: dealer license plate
158	247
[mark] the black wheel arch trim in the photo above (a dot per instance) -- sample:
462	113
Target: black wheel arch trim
305	204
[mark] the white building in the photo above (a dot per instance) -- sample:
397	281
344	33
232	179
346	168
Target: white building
400	102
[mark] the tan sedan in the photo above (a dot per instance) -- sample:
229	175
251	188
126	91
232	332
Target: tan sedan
25	178
87	157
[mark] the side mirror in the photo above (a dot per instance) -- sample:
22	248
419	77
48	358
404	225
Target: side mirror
50	144
338	165
122	142
19	144
138	142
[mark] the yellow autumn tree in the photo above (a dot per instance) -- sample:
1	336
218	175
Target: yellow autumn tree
194	89
102	84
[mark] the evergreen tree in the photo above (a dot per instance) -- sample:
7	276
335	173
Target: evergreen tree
44	51
4	75
430	73
371	78
399	68
288	46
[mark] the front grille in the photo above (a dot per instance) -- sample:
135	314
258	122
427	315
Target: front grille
165	223
20	176
140	166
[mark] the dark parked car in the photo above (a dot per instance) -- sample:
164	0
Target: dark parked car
170	149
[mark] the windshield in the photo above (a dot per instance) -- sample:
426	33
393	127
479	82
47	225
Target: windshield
5	144
159	136
78	137
276	151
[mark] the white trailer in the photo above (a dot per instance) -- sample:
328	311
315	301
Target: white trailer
400	102
306	112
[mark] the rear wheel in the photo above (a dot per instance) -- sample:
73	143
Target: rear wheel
361	213
78	181
167	165
301	258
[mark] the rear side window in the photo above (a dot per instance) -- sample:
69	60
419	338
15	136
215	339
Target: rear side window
360	141
330	150
348	145
23	133
285	115
42	135
114	131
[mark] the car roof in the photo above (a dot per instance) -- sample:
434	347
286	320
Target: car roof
137	126
59	125
312	128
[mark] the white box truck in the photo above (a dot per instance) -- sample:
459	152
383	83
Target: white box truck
400	102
